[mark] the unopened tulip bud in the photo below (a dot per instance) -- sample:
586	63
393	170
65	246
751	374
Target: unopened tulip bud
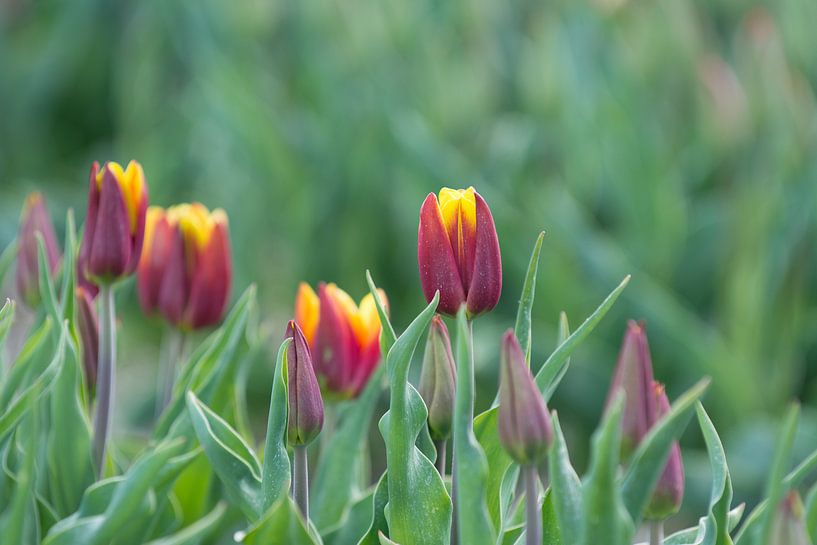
438	380
669	492
186	269
789	526
634	376
525	430
115	224
35	219
305	402
88	328
458	252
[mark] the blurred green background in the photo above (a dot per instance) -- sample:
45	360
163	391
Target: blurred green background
674	140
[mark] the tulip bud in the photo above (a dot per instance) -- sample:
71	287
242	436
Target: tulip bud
789	526
633	374
669	492
458	252
185	269
305	402
344	337
115	224
524	424
88	328
438	380
35	219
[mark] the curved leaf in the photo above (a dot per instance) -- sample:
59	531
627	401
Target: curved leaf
522	328
378	524
281	525
193	534
716	523
275	478
565	486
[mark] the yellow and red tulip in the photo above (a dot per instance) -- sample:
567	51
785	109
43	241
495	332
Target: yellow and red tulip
458	252
186	269
35	219
115	224
344	336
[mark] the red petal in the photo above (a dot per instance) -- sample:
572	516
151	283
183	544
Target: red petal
84	256
486	282
435	258
111	248
152	265
335	349
211	279
175	289
138	237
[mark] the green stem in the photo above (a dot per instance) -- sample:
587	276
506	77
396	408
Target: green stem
106	377
440	445
656	532
170	364
464	405
300	480
533	518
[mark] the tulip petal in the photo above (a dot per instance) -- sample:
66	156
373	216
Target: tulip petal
307	312
212	276
335	350
175	285
486	283
84	256
436	260
111	248
159	237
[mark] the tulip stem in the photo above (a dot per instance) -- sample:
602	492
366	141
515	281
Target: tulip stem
656	532
106	378
300	480
533	517
440	445
170	365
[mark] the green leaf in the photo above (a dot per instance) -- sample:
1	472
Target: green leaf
230	456
548	377
335	484
69	270
275	478
6	320
522	329
605	518
650	458
811	513
566	487
379	524
196	532
7	259
471	468
35	356
18	523
69	436
551	527
122	499
387	335
48	292
695	534
775	487
416	491
716	525
281	525
355	524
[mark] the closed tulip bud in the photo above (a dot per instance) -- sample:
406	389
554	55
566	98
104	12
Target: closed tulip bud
305	402
115	224
634	376
458	252
186	269
88	328
35	219
524	424
344	337
789	526
438	380
669	492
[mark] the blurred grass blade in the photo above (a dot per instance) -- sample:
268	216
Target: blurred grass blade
471	468
196	532
69	269
650	458
18	523
811	513
605	518
7	258
522	329
565	486
6	321
275	477
230	456
48	293
416	491
716	525
775	487
35	356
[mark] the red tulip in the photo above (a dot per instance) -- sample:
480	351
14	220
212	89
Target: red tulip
305	402
525	430
35	219
115	224
88	329
458	252
344	337
186	269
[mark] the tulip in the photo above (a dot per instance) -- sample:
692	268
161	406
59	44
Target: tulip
185	269
669	492
115	225
305	402
438	380
458	252
344	337
88	328
524	424
789	525
35	219
634	376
